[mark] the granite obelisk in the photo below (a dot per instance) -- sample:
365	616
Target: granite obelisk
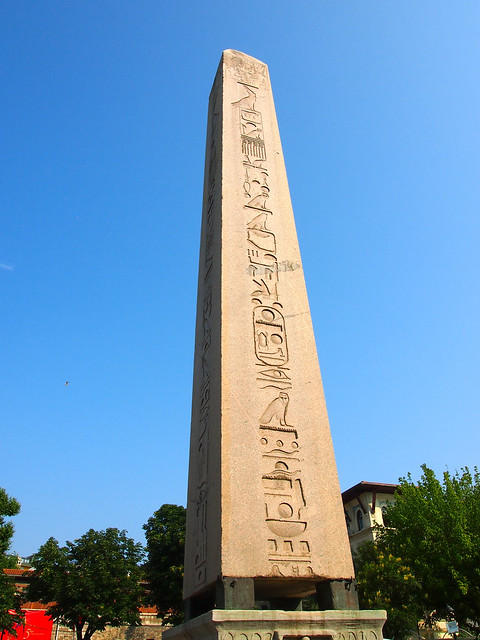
264	515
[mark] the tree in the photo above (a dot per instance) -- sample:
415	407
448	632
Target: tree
435	529
385	582
90	583
426	563
10	612
165	534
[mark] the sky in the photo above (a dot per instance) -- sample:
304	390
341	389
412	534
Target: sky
103	128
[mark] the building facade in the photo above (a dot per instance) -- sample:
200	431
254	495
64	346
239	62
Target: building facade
365	506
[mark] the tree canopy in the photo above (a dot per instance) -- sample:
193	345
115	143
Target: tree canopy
10	613
90	583
8	507
434	537
385	582
165	534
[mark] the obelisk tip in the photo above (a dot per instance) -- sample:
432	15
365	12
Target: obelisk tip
239	54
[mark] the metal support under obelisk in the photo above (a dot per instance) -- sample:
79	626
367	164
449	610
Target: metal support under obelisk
265	522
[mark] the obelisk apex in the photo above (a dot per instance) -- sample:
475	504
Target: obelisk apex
264	506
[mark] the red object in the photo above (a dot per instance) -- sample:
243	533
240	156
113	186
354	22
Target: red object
38	626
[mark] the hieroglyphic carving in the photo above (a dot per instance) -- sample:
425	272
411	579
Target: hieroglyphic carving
204	408
245	68
285	501
255	186
276	412
251	125
270	336
291	569
258	190
275	378
285	504
262	247
263	262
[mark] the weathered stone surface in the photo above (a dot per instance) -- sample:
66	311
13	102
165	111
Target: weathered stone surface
281	625
151	628
263	496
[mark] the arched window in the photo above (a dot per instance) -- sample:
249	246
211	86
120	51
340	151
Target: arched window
359	519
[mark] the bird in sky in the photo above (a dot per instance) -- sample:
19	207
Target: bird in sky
67	383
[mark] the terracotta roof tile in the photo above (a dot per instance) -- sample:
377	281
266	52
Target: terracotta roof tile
17	572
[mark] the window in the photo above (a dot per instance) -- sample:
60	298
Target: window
359	519
386	519
347	520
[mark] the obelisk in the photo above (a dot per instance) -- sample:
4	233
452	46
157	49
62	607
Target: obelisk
265	521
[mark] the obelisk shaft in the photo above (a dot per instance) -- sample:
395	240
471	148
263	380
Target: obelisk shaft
263	495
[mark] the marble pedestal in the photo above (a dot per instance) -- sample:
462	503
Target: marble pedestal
220	624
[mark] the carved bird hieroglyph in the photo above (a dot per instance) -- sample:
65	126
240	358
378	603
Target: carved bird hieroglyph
276	411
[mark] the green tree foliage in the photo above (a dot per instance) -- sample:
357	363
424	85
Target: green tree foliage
165	534
8	507
385	582
435	529
90	583
10	605
10	613
427	561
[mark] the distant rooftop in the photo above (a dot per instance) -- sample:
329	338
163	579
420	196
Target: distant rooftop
362	487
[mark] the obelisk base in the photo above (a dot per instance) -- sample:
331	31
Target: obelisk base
222	624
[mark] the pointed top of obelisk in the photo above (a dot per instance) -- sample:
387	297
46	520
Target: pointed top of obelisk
239	54
242	68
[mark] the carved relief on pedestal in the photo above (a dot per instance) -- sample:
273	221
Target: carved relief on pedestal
232	635
359	634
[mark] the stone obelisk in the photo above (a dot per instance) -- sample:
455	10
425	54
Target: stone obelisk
265	521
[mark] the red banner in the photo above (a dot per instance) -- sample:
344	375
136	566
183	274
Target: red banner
38	626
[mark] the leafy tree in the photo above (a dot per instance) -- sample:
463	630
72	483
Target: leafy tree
10	612
165	534
10	605
89	583
385	582
8	507
435	529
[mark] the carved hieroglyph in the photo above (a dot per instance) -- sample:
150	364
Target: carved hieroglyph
263	495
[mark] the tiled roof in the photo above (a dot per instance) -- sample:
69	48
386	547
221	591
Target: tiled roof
148	609
17	572
362	487
29	606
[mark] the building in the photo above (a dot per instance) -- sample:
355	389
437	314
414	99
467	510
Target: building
365	505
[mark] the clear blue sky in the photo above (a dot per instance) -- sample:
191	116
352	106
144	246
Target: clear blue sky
103	127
